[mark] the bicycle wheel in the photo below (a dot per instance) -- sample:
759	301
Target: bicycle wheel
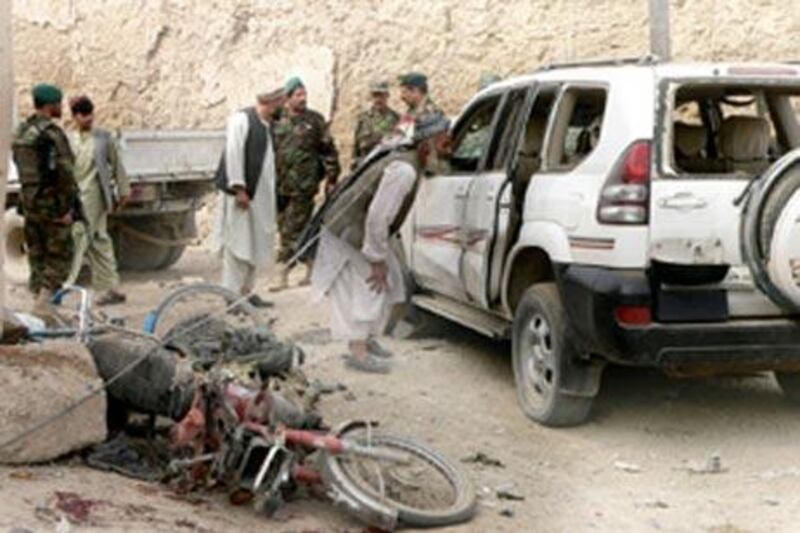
427	491
187	304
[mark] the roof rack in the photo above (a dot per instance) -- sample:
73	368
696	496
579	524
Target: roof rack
643	60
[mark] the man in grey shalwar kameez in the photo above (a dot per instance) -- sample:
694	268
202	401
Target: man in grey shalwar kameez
244	234
355	266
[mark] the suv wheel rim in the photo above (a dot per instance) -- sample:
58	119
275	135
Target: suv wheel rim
538	362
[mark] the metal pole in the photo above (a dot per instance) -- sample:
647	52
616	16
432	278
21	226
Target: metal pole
6	110
659	29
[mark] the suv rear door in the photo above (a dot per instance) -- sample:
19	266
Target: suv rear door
717	136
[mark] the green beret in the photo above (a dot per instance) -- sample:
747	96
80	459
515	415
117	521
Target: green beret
415	79
44	93
292	84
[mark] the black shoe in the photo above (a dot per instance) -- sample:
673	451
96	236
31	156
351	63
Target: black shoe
257	301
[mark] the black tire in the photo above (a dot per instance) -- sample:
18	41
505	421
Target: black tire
175	253
343	473
776	201
541	350
160	321
137	254
789	382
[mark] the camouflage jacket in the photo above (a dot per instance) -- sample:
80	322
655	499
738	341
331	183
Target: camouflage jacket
427	106
372	126
305	153
45	164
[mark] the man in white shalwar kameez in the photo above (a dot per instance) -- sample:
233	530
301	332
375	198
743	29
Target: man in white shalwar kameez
355	266
245	229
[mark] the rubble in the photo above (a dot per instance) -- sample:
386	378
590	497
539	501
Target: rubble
509	496
483	459
629	468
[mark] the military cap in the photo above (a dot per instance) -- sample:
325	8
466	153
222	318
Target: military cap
414	79
271	96
379	87
45	93
292	84
429	125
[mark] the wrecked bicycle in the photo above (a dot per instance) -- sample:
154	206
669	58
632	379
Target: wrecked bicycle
247	437
386	481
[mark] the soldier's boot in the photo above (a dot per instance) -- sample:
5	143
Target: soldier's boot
282	283
307	279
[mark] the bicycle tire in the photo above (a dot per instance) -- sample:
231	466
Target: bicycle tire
157	316
460	509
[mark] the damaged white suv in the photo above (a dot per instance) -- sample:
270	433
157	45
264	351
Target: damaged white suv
633	212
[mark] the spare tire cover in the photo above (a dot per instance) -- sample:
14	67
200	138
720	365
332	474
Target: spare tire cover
771	232
783	264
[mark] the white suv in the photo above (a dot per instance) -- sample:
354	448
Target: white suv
635	212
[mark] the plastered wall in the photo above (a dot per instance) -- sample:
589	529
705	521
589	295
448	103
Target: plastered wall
188	63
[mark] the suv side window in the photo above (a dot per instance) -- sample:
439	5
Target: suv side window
504	138
472	135
576	127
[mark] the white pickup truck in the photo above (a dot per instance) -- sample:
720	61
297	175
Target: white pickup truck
630	211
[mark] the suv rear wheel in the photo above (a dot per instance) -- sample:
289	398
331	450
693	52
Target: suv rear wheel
542	353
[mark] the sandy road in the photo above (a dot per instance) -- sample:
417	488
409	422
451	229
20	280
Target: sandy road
636	466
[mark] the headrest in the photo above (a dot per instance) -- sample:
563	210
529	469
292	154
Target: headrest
744	138
690	141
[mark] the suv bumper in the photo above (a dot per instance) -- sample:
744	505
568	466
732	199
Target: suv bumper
592	294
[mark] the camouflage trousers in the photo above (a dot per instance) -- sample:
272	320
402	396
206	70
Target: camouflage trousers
291	223
50	250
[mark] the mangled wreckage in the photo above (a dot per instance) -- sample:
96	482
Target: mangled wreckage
229	408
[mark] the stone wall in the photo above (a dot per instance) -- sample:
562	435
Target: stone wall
187	63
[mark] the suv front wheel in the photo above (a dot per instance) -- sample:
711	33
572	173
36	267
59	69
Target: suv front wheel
542	355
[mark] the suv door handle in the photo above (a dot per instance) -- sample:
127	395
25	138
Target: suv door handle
461	195
683	201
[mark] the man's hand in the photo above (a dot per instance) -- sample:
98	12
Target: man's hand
66	220
379	278
329	186
242	199
122	202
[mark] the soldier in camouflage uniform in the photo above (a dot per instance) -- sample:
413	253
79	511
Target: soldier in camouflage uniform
305	156
49	200
414	92
374	124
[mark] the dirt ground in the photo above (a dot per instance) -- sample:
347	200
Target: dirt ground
638	465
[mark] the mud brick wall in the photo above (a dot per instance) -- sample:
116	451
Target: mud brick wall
187	63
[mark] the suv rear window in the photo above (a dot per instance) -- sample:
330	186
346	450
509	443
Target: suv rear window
731	129
576	128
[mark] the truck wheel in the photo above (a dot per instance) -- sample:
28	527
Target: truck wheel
16	267
789	382
137	245
542	353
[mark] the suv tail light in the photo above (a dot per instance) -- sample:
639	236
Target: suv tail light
626	194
